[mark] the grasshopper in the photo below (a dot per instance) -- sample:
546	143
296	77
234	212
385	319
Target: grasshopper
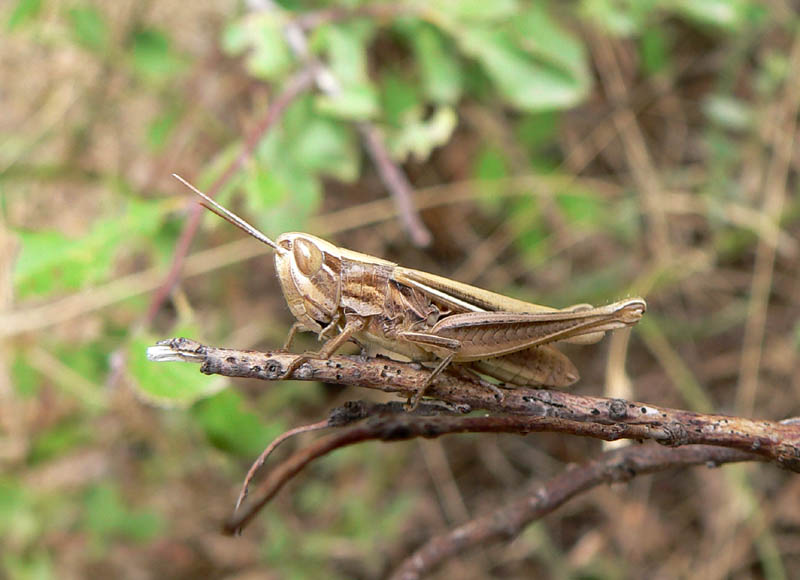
344	295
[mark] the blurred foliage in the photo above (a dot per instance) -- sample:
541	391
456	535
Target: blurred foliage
112	465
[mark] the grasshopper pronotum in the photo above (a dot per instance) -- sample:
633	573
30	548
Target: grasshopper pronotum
344	295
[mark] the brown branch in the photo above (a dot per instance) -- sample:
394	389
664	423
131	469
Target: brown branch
505	523
396	182
521	411
386	422
524	409
389	422
297	85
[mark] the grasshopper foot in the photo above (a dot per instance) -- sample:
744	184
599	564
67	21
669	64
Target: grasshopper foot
295	364
413	401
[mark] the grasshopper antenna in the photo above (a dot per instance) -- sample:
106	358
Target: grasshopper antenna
229	216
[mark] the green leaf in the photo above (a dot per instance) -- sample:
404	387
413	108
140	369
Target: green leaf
89	28
261	36
533	240
581	208
230	427
24	378
353	102
30	565
399	97
160	128
328	147
439	66
346	48
491	164
107	517
621	17
152	55
15	508
23	12
729	15
529	74
283	184
477	10
345	45
265	191
59	439
654	51
536	130
417	137
168	384
51	262
545	40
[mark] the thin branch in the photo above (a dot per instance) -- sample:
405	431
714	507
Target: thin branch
258	463
396	182
390	423
386	422
525	409
507	522
297	85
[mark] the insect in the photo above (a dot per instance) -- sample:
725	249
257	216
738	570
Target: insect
344	295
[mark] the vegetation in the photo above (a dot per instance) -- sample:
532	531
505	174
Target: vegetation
558	152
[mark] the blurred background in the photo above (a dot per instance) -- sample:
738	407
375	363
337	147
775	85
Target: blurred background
559	152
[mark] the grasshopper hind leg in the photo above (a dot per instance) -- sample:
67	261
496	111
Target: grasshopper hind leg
414	401
463	370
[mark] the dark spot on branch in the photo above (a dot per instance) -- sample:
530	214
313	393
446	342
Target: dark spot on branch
617	409
231	359
676	435
396	431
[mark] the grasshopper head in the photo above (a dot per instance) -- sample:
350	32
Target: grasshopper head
309	268
310	274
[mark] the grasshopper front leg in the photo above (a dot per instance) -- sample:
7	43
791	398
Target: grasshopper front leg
353	324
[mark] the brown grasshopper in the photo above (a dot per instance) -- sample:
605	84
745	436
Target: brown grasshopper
344	295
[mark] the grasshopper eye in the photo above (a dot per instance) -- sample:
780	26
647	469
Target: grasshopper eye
307	256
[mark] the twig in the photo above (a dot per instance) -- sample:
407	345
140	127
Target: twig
525	409
505	523
297	85
387	422
396	182
258	463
